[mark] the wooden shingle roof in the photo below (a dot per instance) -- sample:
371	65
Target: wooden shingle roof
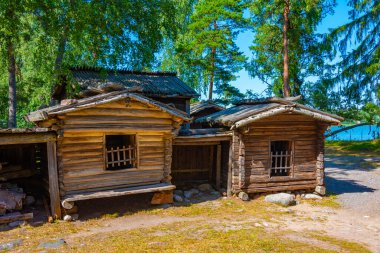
94	81
199	106
248	111
84	103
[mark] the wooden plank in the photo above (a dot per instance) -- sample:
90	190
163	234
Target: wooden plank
229	173
26	138
120	192
53	180
96	120
128	112
7	218
218	166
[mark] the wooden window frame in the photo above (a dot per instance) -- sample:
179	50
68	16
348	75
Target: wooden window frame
291	172
105	152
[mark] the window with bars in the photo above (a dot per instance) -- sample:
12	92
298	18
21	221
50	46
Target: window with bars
121	152
281	158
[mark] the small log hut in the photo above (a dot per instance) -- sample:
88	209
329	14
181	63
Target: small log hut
112	144
128	132
277	145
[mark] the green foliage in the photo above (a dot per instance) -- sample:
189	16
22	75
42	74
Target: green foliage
206	49
357	73
51	36
305	57
356	145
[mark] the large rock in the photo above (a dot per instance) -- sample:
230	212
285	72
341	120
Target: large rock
178	192
283	199
12	200
205	187
243	196
177	198
10	245
311	196
52	245
16	223
190	193
321	190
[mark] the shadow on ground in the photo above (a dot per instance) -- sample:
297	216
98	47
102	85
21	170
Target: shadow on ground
340	186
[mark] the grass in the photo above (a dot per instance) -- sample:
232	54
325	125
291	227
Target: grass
361	146
330	200
190	237
226	208
347	246
226	225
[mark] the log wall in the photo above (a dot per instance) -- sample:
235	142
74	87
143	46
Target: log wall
81	147
254	154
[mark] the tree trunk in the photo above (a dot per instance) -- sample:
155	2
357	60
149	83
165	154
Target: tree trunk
12	100
286	56
212	75
344	129
61	51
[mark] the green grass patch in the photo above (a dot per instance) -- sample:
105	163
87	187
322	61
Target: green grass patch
347	246
372	146
225	208
190	237
330	200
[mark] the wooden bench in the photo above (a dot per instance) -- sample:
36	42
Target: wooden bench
68	200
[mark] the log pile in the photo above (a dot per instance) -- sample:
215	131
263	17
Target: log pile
8	172
12	199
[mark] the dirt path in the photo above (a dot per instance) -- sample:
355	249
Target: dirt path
356	181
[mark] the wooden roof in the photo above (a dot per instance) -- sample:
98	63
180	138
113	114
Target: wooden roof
248	111
200	106
103	99
17	136
94	81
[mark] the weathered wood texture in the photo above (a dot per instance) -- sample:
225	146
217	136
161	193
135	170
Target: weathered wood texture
81	159
193	162
252	173
55	204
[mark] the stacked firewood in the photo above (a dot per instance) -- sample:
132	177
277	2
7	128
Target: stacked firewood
8	172
12	199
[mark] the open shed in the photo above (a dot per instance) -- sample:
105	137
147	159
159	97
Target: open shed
277	144
28	157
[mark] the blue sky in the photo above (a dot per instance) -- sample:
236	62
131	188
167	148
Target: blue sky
244	41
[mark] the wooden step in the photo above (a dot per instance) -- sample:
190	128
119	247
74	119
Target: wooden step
117	192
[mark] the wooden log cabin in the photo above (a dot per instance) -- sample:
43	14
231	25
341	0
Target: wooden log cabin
112	144
277	145
128	132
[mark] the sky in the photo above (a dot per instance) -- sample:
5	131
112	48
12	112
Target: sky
244	40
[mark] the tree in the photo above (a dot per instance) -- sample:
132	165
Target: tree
285	51
357	44
50	36
11	28
207	47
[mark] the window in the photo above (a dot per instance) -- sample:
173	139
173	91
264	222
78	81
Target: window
281	158
120	152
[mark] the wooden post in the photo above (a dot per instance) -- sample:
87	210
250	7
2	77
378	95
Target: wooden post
242	182
168	159
218	165
229	175
55	204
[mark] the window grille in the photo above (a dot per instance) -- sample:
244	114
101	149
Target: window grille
121	152
281	158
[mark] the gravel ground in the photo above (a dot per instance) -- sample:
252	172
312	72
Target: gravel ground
356	181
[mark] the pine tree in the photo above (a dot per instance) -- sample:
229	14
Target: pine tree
285	51
358	43
208	47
